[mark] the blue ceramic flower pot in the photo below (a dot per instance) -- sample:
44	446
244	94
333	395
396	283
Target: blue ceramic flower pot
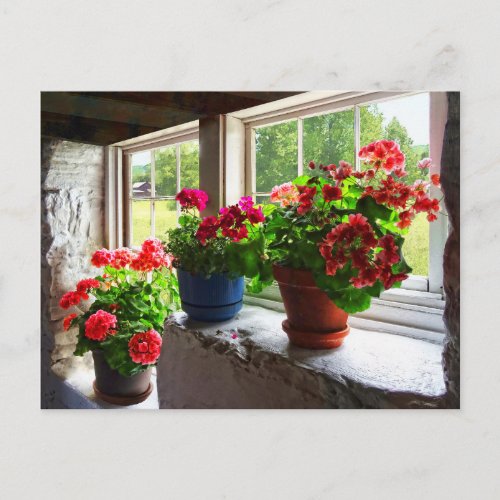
217	298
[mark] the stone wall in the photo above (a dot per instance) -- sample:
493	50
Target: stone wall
450	181
72	226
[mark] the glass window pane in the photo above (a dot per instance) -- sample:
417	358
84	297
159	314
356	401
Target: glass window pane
141	174
141	221
416	245
262	200
190	169
329	139
275	155
165	172
406	121
165	217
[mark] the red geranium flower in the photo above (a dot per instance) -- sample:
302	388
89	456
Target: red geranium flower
246	203
352	240
122	257
255	215
71	299
242	234
425	163
405	219
331	193
99	325
85	285
144	347
366	277
152	256
436	180
305	198
67	321
207	229
192	198
285	194
389	254
102	258
385	154
343	171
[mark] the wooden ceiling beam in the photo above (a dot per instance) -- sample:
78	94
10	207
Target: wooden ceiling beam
90	130
203	103
104	118
71	103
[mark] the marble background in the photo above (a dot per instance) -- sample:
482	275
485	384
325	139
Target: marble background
242	45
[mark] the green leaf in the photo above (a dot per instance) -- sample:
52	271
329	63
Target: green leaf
308	254
257	283
301	180
184	220
375	290
351	300
268	209
372	210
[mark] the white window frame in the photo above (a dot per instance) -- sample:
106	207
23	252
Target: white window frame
119	196
415	309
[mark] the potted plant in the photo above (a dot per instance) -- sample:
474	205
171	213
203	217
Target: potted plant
335	240
211	281
123	326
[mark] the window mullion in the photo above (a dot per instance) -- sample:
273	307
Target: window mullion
300	142
178	175
357	137
252	178
153	194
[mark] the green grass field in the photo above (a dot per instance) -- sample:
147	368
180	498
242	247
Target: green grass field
165	218
416	247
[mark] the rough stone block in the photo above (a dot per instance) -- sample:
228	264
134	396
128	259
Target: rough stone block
203	366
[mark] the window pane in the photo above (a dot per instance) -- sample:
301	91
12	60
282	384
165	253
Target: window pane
262	200
190	169
329	139
406	121
165	217
275	155
141	221
416	246
141	174
165	172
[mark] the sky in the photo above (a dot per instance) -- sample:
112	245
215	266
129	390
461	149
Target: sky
412	112
142	158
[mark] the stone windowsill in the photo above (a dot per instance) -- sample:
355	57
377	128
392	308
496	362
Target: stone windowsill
202	366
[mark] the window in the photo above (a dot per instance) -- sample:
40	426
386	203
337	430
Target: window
144	175
157	175
282	148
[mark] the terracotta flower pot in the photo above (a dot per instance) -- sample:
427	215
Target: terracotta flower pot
111	386
313	320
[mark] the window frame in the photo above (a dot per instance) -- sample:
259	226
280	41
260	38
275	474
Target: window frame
119	196
431	283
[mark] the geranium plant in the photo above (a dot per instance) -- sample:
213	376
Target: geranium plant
230	242
348	228
133	296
